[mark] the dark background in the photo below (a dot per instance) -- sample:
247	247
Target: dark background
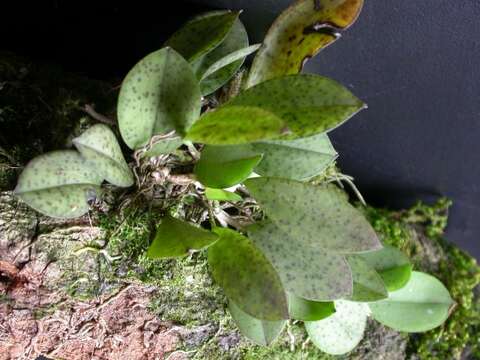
416	64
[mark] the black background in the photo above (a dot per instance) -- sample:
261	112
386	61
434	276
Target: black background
416	64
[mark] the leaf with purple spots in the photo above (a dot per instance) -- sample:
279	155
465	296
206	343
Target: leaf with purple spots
160	94
59	184
316	216
367	283
284	108
246	276
299	159
100	147
307	271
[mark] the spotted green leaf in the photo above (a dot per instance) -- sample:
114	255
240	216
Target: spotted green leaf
246	276
176	238
367	283
299	159
236	125
307	310
302	105
100	147
299	33
341	332
202	34
225	166
306	271
219	65
221	195
316	216
59	184
160	94
421	305
393	266
261	332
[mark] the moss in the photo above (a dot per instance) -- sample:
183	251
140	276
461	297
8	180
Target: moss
418	232
184	293
183	289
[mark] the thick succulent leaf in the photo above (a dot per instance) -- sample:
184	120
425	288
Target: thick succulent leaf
284	108
160	94
236	40
307	310
393	266
228	59
236	125
225	166
309	104
202	34
306	271
59	184
316	216
221	195
421	305
233	57
299	159
261	332
341	332
164	146
299	33
246	276
367	283
100	147
176	238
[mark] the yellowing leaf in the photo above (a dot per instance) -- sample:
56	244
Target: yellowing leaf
299	33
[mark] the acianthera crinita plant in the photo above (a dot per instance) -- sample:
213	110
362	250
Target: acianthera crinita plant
281	238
